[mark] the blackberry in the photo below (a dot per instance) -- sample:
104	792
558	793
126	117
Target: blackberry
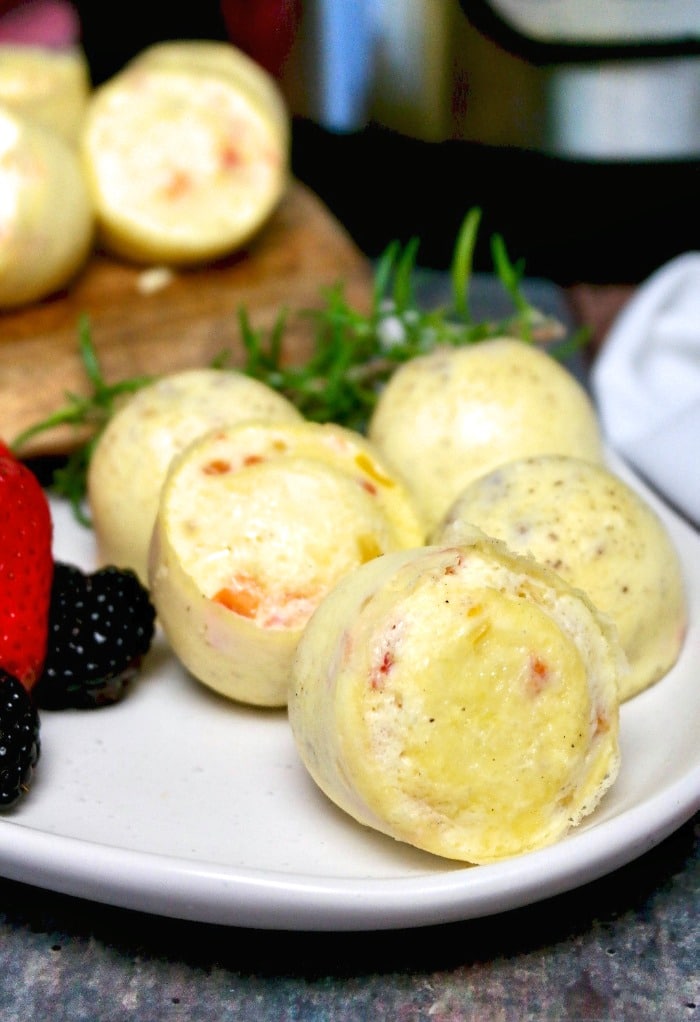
101	625
19	739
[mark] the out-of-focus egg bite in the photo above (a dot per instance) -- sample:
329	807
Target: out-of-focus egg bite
132	456
447	417
46	217
50	86
244	548
600	535
214	57
184	165
461	699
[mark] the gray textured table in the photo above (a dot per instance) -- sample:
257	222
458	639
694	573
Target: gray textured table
622	949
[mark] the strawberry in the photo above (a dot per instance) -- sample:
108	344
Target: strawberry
26	570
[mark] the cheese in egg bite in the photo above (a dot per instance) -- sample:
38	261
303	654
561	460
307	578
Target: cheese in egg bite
246	545
460	699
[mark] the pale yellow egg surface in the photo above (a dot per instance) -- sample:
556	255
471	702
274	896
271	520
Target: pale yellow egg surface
598	533
460	699
46	216
449	416
47	85
253	442
219	58
246	545
183	167
132	456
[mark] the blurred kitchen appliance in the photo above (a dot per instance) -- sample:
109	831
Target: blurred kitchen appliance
618	80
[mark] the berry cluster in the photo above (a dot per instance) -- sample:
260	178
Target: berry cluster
100	626
68	638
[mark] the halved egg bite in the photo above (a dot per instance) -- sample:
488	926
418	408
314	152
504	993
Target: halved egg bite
248	541
461	699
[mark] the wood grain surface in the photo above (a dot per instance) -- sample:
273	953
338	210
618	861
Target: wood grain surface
185	323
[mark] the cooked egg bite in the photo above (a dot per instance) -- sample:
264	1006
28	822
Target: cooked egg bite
600	535
46	217
460	699
214	57
449	416
244	548
132	456
184	165
50	86
252	442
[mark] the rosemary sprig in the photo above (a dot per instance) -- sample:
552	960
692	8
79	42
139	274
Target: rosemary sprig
93	410
354	352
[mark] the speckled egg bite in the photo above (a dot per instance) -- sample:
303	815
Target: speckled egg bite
447	417
598	533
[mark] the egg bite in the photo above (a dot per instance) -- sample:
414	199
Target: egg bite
132	456
46	217
47	85
460	699
449	416
249	442
598	533
184	166
245	546
219	58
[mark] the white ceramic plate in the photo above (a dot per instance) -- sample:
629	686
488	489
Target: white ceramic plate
179	803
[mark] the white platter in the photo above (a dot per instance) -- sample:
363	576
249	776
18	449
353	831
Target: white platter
178	803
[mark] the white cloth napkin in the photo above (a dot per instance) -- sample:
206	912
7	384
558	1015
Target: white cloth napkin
646	382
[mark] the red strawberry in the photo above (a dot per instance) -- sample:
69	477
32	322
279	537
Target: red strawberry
26	570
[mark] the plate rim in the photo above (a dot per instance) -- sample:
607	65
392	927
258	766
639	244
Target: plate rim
211	892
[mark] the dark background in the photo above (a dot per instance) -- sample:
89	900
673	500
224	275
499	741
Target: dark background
569	220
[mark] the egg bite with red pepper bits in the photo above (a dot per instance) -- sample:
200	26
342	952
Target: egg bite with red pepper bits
221	59
460	699
185	164
132	455
599	534
256	523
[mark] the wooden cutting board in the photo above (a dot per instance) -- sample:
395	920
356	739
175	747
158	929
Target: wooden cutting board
185	323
